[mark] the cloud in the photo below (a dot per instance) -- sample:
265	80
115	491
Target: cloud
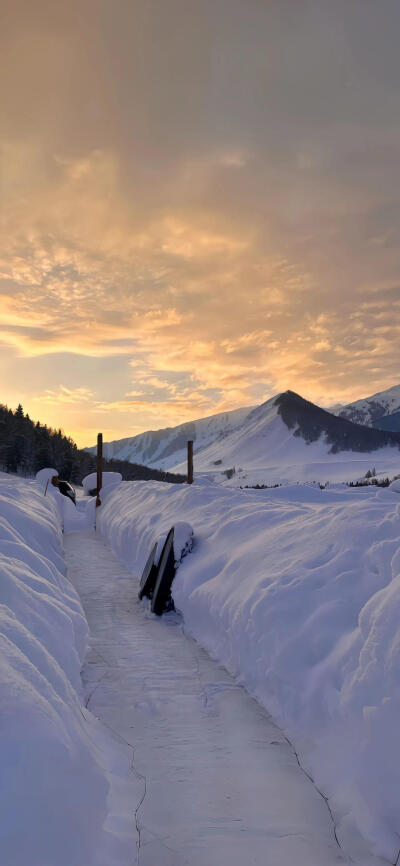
65	396
197	216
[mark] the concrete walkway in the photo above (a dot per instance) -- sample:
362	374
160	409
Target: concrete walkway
219	783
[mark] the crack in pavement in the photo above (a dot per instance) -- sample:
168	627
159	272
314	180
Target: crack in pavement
324	797
138	775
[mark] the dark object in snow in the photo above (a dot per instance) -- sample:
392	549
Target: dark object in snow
162	600
259	486
64	487
229	472
149	575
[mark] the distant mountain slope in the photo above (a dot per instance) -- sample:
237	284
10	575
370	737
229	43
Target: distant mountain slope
389	422
167	447
375	411
311	422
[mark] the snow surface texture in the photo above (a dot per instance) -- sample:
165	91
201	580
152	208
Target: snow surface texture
55	758
297	591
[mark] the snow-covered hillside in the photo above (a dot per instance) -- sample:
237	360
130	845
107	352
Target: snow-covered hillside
380	410
161	449
297	591
56	761
290	439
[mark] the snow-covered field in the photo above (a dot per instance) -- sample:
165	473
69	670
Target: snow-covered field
57	762
297	591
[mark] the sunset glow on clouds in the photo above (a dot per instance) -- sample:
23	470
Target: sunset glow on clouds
199	207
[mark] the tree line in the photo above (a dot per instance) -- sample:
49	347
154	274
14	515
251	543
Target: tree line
27	446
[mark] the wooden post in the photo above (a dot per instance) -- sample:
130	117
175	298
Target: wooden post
99	467
190	462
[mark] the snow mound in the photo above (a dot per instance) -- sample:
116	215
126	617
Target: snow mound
183	540
296	590
44	476
111	480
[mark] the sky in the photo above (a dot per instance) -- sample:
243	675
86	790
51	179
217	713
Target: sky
199	207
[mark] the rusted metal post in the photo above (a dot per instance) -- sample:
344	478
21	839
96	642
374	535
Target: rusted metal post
190	462
99	467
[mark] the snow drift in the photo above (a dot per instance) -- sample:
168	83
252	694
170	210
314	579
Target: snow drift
54	756
297	591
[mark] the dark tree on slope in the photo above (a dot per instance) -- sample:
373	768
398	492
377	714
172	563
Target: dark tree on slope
311	423
27	446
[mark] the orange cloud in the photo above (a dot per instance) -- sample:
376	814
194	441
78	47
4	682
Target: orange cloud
151	214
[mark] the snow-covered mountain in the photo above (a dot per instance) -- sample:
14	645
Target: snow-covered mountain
289	438
286	438
381	410
164	448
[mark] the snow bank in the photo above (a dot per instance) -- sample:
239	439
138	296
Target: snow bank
297	591
110	480
53	790
79	516
44	476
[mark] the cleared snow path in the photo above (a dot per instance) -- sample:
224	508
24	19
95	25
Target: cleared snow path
215	782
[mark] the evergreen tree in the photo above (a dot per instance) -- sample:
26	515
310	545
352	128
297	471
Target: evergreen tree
27	446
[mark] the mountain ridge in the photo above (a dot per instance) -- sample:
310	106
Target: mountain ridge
164	447
380	410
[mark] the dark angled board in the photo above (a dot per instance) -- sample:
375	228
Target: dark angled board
149	575
161	600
